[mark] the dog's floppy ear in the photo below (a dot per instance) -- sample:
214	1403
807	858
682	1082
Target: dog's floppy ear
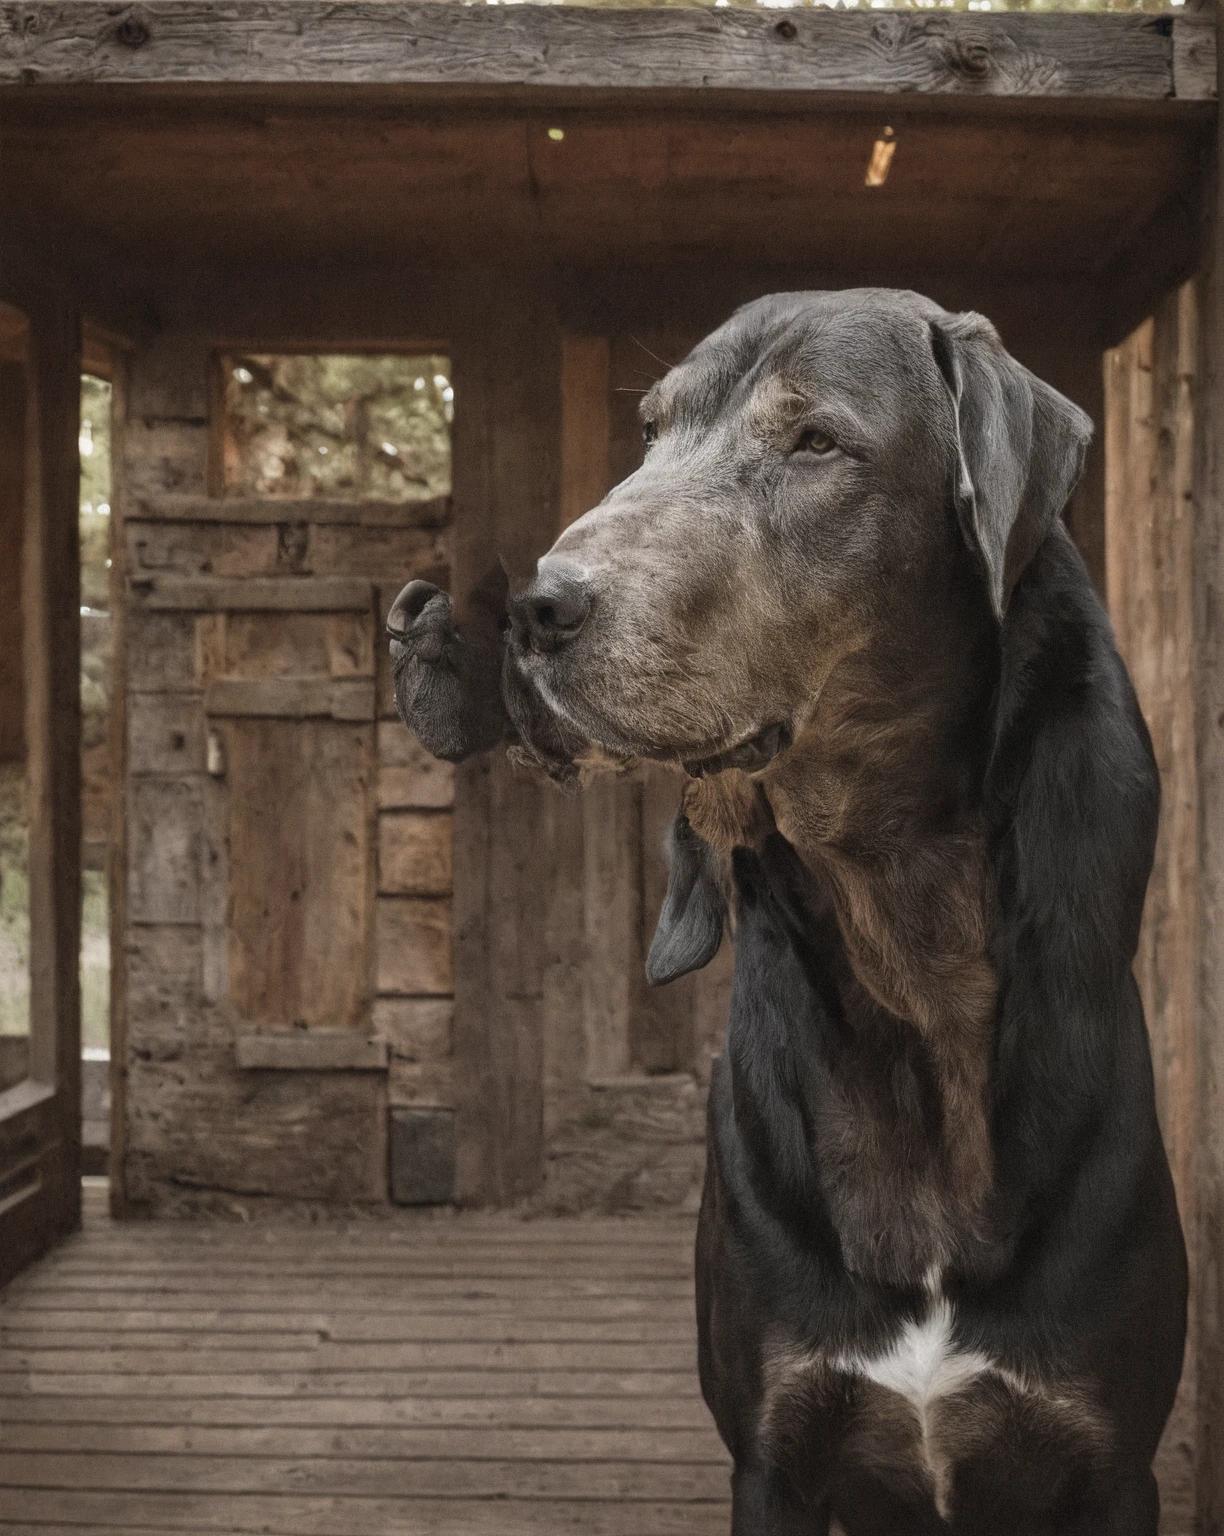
1020	449
690	926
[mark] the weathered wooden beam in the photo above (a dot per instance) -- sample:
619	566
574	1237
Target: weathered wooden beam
301	1050
1136	57
1205	644
287	594
291	698
433	513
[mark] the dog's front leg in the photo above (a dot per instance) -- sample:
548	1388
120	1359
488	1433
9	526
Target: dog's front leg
763	1503
1131	1508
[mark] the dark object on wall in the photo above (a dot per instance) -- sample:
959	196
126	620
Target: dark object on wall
422	1150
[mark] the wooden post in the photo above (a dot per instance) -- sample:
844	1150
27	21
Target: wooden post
1208	621
1149	545
586	473
506	370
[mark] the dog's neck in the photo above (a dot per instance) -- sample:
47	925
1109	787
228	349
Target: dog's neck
880	795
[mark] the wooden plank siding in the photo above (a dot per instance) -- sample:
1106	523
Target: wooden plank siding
289	41
265	786
1151	382
450	1377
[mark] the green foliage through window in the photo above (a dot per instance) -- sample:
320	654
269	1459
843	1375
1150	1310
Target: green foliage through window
346	427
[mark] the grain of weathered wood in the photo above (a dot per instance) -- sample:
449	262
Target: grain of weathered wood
43	1328
628	1385
1194	57
365	1478
422	1085
1026	55
505	366
414	853
166	455
586	476
413	945
165	849
40	1123
641	1446
375	552
290	594
292	1515
399	1411
165	733
408	777
329	1357
298	922
415	1028
434	513
298	1050
290	698
199	1123
1208	649
212	549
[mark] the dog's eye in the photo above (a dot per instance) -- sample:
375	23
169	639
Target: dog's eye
649	432
815	441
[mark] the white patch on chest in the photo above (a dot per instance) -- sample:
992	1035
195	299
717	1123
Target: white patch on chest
922	1365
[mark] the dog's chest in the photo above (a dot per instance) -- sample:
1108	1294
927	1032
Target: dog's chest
923	1364
912	1411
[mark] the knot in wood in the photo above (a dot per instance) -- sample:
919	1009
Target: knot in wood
972	60
132	32
787	31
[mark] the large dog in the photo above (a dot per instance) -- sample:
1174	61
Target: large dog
941	1278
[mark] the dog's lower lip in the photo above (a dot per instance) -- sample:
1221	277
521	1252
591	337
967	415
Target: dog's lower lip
750	756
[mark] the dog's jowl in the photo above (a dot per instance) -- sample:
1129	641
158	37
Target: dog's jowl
941	1280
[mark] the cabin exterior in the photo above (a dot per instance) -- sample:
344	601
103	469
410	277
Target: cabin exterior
341	973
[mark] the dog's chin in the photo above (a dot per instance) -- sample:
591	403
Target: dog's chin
563	730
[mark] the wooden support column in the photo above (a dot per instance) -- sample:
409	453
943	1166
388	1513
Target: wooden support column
1208	639
40	1190
1150	527
506	367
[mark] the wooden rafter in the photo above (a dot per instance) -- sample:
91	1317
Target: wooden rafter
1124	57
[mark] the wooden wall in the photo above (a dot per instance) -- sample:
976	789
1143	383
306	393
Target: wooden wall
557	1075
40	1118
1151	385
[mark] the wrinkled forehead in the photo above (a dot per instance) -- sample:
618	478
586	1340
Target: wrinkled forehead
870	353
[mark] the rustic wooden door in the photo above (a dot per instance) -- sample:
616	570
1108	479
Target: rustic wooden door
39	742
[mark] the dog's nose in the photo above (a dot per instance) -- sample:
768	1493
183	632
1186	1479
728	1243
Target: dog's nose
550	610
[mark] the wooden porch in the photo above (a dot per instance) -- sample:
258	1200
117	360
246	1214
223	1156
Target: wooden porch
443	1375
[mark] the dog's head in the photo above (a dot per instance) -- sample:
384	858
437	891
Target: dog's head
824	474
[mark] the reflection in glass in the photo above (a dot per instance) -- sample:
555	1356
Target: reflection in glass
95	524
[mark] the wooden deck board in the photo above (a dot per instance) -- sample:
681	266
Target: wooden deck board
422	1378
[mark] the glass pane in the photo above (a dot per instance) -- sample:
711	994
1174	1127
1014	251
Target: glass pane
95	444
14	837
348	428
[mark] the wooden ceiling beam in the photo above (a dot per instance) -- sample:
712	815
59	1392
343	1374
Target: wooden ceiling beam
1138	57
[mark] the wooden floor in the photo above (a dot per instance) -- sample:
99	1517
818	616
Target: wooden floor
450	1377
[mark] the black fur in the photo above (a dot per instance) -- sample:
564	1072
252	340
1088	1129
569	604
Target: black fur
1084	1276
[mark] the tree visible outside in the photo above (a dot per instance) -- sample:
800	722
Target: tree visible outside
348	427
95	509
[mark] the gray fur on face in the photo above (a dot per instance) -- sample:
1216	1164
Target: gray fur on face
819	465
